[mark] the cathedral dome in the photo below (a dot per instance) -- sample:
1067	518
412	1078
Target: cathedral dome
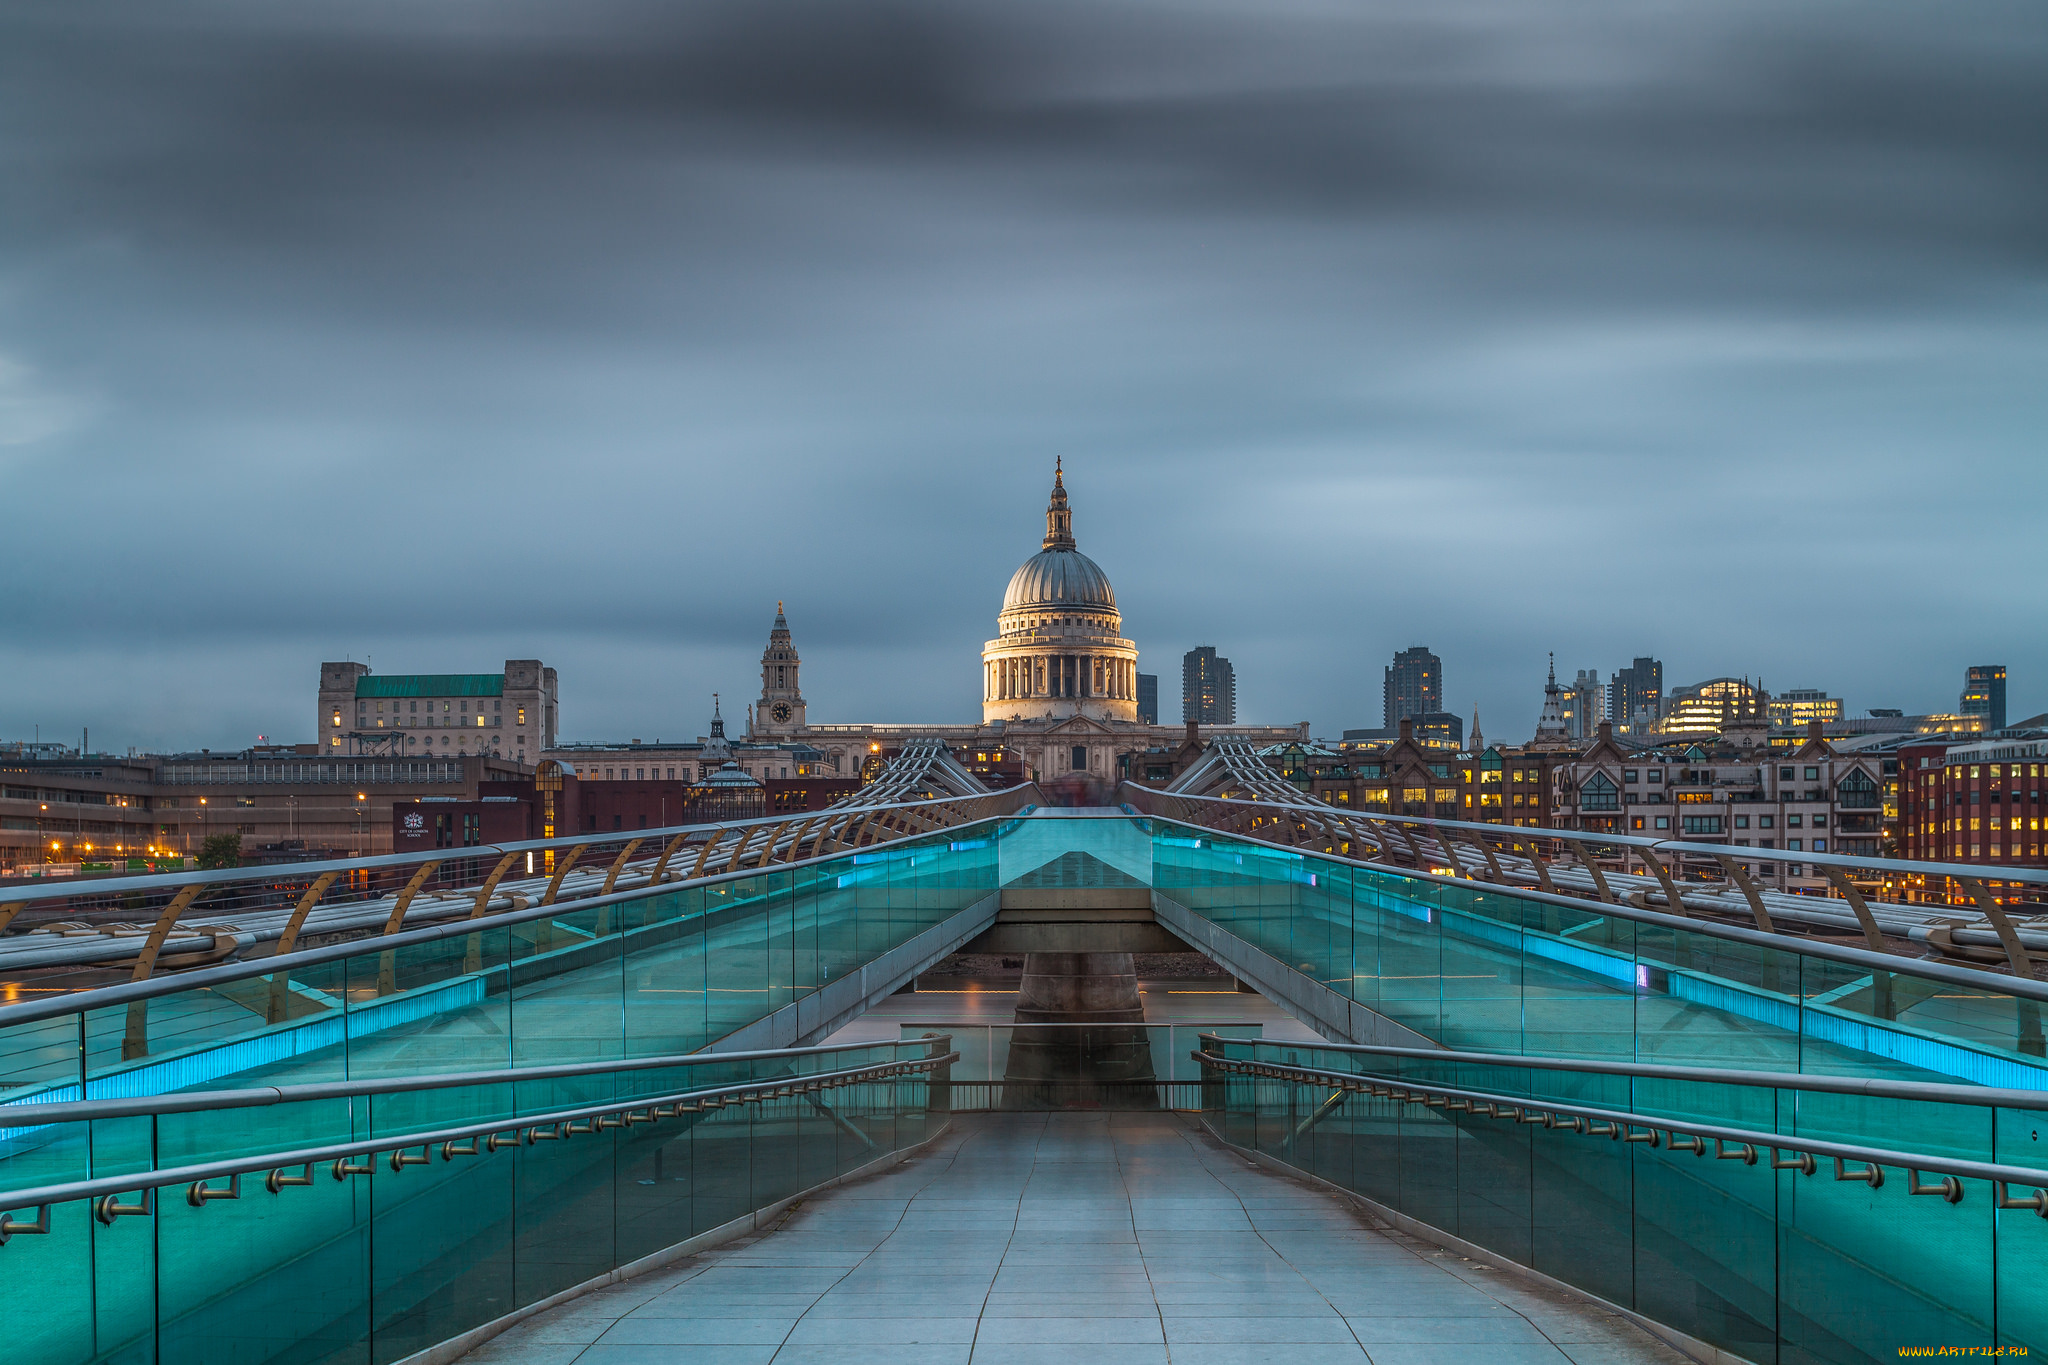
1058	651
1059	578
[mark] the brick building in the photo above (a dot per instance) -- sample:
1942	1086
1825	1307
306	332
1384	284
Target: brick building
1978	802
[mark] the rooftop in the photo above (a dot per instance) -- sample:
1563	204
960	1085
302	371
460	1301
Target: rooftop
431	685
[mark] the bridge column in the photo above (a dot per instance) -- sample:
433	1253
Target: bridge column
1105	1054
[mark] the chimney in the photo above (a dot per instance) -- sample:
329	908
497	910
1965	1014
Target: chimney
1813	732
1408	729
1607	732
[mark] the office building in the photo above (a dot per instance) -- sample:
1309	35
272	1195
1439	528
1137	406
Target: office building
1973	802
1984	694
1414	685
1148	699
1709	708
1208	687
1585	704
1795	707
1635	696
510	714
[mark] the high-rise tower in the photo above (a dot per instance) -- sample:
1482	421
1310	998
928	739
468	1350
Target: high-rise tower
1208	688
1414	686
1984	694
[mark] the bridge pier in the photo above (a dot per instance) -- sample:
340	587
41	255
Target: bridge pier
1104	1059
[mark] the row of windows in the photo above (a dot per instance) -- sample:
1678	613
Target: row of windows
1997	770
1956	826
1787	773
363	713
363	708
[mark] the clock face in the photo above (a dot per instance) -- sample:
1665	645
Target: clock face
780	711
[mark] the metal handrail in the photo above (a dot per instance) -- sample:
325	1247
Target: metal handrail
219	878
1875	1087
101	997
1845	861
256	1097
643	1109
1663	1131
2019	986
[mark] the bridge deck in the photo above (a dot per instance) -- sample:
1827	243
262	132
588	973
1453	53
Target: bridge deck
1028	1238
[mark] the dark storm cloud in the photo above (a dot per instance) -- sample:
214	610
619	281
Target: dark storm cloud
590	330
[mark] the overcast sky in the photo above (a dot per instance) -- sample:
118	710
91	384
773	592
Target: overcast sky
441	333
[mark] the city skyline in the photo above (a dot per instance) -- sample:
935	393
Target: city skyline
671	717
1649	314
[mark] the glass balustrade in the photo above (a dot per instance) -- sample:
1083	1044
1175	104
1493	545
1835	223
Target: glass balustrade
1477	968
374	1266
1773	1265
644	974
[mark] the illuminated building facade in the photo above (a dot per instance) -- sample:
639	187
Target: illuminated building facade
1707	709
1414	686
1812	799
1976	802
1208	687
510	714
1984	694
1635	696
1800	705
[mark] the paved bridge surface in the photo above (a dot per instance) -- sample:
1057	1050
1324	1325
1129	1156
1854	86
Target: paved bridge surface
1045	1239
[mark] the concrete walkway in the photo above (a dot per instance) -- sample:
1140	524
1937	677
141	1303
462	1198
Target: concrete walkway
1034	1239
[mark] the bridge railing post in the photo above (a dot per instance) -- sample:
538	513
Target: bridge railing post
939	1083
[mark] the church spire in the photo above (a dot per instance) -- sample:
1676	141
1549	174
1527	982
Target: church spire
1059	522
1550	731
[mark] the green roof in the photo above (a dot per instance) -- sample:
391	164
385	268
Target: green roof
431	685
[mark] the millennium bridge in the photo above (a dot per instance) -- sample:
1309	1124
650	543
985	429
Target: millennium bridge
1545	1095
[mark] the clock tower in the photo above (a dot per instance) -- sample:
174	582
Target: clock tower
780	711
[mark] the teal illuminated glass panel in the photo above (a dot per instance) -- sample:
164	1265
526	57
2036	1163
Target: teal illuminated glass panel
1774	1265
